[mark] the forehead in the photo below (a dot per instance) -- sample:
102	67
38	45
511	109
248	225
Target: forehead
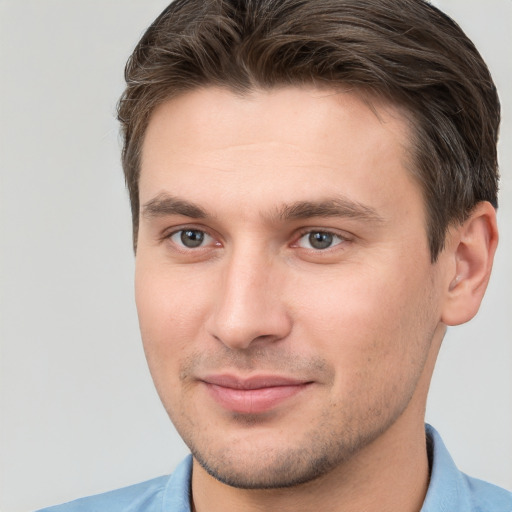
266	145
290	113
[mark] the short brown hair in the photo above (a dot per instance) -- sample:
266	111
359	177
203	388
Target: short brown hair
404	50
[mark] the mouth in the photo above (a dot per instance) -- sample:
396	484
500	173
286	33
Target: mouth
252	395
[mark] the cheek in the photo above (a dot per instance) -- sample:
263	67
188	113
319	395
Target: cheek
368	326
170	316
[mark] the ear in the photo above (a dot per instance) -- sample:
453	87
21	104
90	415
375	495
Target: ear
471	249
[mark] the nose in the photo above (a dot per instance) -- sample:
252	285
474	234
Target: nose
249	307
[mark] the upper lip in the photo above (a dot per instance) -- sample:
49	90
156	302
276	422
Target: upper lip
252	382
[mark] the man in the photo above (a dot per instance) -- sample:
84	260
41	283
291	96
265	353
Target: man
313	188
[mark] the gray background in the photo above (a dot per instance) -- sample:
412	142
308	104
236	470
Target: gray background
79	413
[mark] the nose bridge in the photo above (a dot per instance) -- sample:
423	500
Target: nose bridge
248	306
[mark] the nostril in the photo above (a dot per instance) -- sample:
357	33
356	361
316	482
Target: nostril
259	331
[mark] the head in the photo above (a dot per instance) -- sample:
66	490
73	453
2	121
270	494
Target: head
308	180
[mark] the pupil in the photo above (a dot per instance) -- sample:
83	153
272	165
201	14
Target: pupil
192	238
320	240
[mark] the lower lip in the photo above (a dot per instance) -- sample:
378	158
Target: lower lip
253	401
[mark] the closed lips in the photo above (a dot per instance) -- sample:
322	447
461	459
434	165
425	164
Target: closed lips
252	395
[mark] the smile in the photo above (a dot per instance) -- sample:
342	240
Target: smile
253	395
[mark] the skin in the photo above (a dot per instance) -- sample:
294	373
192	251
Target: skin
358	323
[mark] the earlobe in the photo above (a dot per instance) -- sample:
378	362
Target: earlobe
473	245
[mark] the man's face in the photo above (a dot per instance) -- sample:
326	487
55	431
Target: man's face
286	297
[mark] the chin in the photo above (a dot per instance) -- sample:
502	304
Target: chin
267	471
273	462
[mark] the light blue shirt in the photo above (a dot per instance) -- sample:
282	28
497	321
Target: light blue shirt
449	491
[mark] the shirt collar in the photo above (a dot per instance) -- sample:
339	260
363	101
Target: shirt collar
178	492
448	489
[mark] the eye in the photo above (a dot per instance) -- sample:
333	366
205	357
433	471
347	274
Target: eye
191	238
319	240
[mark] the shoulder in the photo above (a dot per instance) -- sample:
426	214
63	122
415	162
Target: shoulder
170	493
136	497
451	490
487	497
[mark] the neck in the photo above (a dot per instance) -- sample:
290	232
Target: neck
390	474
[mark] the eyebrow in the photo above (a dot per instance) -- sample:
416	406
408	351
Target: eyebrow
164	204
334	207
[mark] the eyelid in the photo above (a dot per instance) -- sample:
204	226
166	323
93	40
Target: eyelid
170	232
167	234
205	241
342	236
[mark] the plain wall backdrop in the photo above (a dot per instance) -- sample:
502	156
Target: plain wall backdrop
79	414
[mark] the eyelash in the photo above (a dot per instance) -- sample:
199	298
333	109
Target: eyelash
183	230
341	239
337	239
